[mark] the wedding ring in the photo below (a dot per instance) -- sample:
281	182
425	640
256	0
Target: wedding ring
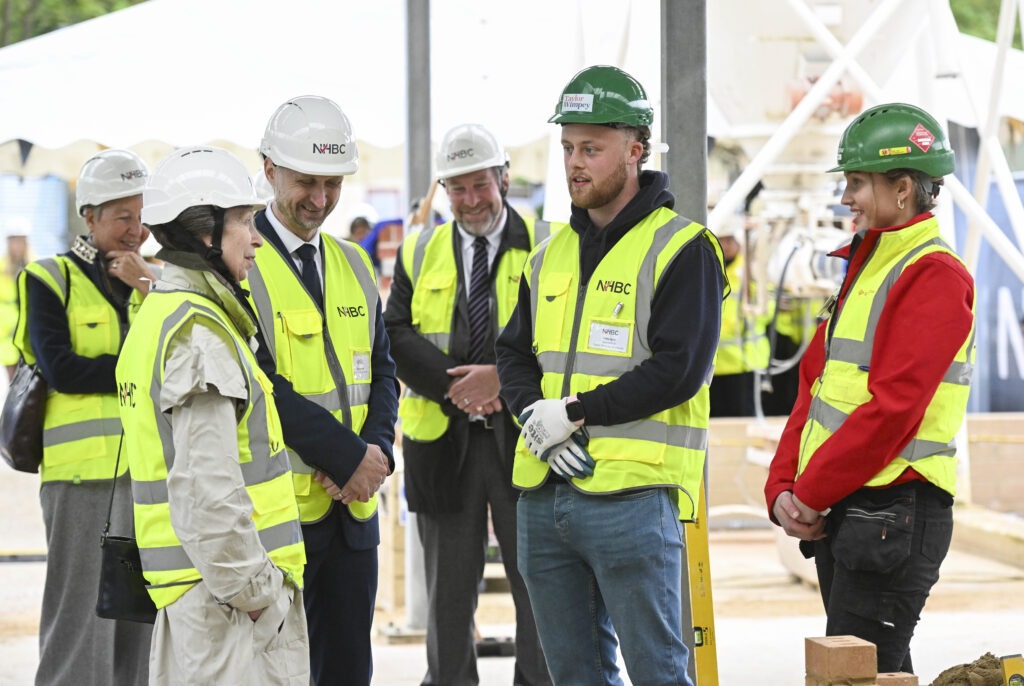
479	408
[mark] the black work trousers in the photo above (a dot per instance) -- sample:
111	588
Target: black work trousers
879	563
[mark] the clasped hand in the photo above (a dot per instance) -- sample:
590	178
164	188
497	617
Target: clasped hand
545	425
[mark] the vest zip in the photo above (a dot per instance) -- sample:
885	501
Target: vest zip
338	374
833	318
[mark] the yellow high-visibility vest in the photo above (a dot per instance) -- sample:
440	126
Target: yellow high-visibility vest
81	431
743	345
149	445
327	357
429	260
842	386
584	339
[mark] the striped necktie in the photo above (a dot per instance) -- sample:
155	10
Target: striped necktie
479	308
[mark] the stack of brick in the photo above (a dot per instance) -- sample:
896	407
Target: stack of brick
847	661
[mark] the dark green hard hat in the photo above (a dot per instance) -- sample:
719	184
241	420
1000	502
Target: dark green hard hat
895	136
603	95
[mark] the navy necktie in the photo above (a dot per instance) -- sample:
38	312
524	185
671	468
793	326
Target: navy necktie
479	308
310	277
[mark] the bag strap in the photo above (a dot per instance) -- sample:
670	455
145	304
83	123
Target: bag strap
113	485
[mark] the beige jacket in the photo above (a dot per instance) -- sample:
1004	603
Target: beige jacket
206	636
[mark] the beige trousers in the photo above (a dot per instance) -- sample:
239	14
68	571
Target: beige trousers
197	641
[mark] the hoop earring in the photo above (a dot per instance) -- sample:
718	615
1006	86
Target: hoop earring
899	203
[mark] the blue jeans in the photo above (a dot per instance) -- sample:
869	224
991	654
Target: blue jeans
600	566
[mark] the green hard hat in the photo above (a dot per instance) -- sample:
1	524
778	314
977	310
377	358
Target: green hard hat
895	136
603	95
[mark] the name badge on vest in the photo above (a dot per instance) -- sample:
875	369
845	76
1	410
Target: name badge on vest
611	336
360	365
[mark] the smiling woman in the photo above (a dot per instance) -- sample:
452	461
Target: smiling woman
75	309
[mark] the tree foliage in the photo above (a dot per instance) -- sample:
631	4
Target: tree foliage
21	19
981	18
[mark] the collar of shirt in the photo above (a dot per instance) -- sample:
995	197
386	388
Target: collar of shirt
493	241
291	242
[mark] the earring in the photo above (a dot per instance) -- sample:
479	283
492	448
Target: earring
899	203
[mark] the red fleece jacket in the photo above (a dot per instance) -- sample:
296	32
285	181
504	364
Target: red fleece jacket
926	318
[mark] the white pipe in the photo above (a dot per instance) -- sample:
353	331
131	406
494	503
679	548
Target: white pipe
990	127
796	119
1009	252
831	44
1007	187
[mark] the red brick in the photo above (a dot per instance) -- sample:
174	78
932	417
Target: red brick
838	658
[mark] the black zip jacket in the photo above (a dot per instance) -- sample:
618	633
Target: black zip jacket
686	319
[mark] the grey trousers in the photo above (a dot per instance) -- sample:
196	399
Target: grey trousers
454	548
75	646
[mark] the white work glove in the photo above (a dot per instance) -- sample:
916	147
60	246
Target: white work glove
570	458
545	425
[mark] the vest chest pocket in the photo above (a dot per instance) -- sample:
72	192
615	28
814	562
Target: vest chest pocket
91	331
433	302
300	354
552	310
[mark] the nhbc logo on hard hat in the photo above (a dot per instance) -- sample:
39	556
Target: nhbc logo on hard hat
328	148
578	102
460	154
133	174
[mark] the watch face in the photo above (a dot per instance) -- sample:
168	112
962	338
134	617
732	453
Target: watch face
574	411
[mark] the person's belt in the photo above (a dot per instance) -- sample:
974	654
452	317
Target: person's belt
483	422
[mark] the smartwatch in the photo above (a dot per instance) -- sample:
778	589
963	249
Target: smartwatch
574	410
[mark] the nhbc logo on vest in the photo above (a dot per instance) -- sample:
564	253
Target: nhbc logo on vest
351	311
328	148
614	287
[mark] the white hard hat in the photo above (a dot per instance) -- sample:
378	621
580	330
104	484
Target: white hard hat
468	148
264	191
109	175
311	135
732	227
16	226
150	247
189	177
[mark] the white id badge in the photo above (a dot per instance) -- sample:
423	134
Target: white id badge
609	336
360	365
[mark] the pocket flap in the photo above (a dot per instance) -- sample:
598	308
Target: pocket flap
303	323
438	280
91	316
555	285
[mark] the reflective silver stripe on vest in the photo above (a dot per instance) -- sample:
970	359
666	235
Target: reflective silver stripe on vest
536	262
420	252
366	282
259	468
439	340
859	352
330	400
149	492
541	231
645	283
264	308
643	429
52	267
91	428
358	394
171	558
832	418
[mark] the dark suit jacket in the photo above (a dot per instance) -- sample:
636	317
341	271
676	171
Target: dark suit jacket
320	439
433	469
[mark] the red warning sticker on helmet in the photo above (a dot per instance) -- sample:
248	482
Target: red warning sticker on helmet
922	138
